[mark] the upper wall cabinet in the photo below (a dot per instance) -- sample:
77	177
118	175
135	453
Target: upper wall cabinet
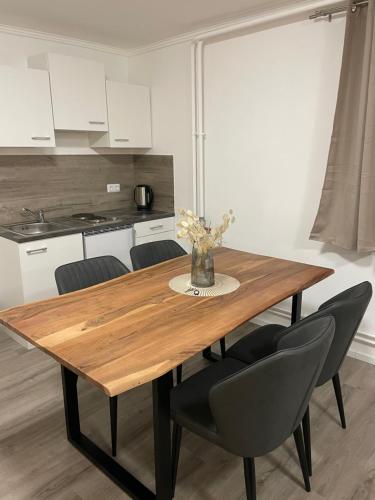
78	91
129	117
26	112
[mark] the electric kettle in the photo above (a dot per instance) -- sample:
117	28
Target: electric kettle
143	196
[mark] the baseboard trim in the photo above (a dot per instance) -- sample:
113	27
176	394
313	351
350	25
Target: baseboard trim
362	348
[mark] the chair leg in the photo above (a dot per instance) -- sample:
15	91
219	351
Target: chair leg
222	347
113	415
298	438
340	402
179	374
307	438
176	445
250	480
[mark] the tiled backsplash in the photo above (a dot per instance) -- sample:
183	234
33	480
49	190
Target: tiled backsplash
64	184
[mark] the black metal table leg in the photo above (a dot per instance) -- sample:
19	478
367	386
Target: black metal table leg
222	347
211	356
161	388
69	382
118	474
113	416
296	307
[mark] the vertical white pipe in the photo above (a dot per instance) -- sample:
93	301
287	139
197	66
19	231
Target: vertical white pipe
194	123
200	127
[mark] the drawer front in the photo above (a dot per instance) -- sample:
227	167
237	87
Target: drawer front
168	235
154	227
39	260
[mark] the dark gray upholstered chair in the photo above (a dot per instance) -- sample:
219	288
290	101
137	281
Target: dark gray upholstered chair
89	272
348	309
83	274
250	410
149	254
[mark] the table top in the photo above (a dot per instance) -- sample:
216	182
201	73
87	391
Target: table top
133	329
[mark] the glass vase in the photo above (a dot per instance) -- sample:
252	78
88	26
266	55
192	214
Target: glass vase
202	269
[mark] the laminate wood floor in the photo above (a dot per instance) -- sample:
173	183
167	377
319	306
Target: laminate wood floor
37	462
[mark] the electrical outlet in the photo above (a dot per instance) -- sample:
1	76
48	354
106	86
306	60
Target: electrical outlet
113	188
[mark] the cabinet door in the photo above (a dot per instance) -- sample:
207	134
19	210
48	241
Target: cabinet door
129	115
26	112
78	93
169	235
39	260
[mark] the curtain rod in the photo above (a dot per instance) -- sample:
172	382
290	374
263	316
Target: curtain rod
336	10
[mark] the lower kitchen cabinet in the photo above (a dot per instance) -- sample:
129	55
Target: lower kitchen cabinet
169	235
154	230
28	269
39	260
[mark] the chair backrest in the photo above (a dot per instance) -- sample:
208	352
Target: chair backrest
348	309
149	254
256	409
89	272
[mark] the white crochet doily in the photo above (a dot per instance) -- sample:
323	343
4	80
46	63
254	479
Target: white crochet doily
223	284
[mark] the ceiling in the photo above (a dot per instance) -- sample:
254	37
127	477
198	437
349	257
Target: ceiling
126	23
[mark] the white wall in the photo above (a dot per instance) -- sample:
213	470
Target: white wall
14	51
270	101
168	72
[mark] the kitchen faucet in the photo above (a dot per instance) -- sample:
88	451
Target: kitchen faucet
39	214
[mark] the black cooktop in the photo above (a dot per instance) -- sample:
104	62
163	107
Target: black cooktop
89	217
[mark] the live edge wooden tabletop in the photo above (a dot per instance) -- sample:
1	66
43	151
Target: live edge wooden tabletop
133	329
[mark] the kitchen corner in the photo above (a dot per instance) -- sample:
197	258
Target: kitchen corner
83	217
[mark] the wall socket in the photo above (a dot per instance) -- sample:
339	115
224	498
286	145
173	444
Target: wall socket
113	188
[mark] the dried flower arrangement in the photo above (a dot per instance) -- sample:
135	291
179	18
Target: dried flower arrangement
202	237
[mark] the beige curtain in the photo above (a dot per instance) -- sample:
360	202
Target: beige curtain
346	215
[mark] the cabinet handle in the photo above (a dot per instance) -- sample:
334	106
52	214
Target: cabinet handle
156	227
94	122
41	138
36	250
122	140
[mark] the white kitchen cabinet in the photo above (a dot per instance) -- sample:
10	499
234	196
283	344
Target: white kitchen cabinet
39	260
78	91
169	235
27	270
155	230
129	117
26	112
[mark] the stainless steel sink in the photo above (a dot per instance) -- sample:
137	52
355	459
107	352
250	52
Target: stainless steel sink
34	228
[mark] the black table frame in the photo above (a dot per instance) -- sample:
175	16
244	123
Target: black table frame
162	440
161	388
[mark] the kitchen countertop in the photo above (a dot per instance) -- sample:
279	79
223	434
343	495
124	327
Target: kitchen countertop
118	217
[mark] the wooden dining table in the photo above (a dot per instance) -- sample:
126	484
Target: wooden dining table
134	329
